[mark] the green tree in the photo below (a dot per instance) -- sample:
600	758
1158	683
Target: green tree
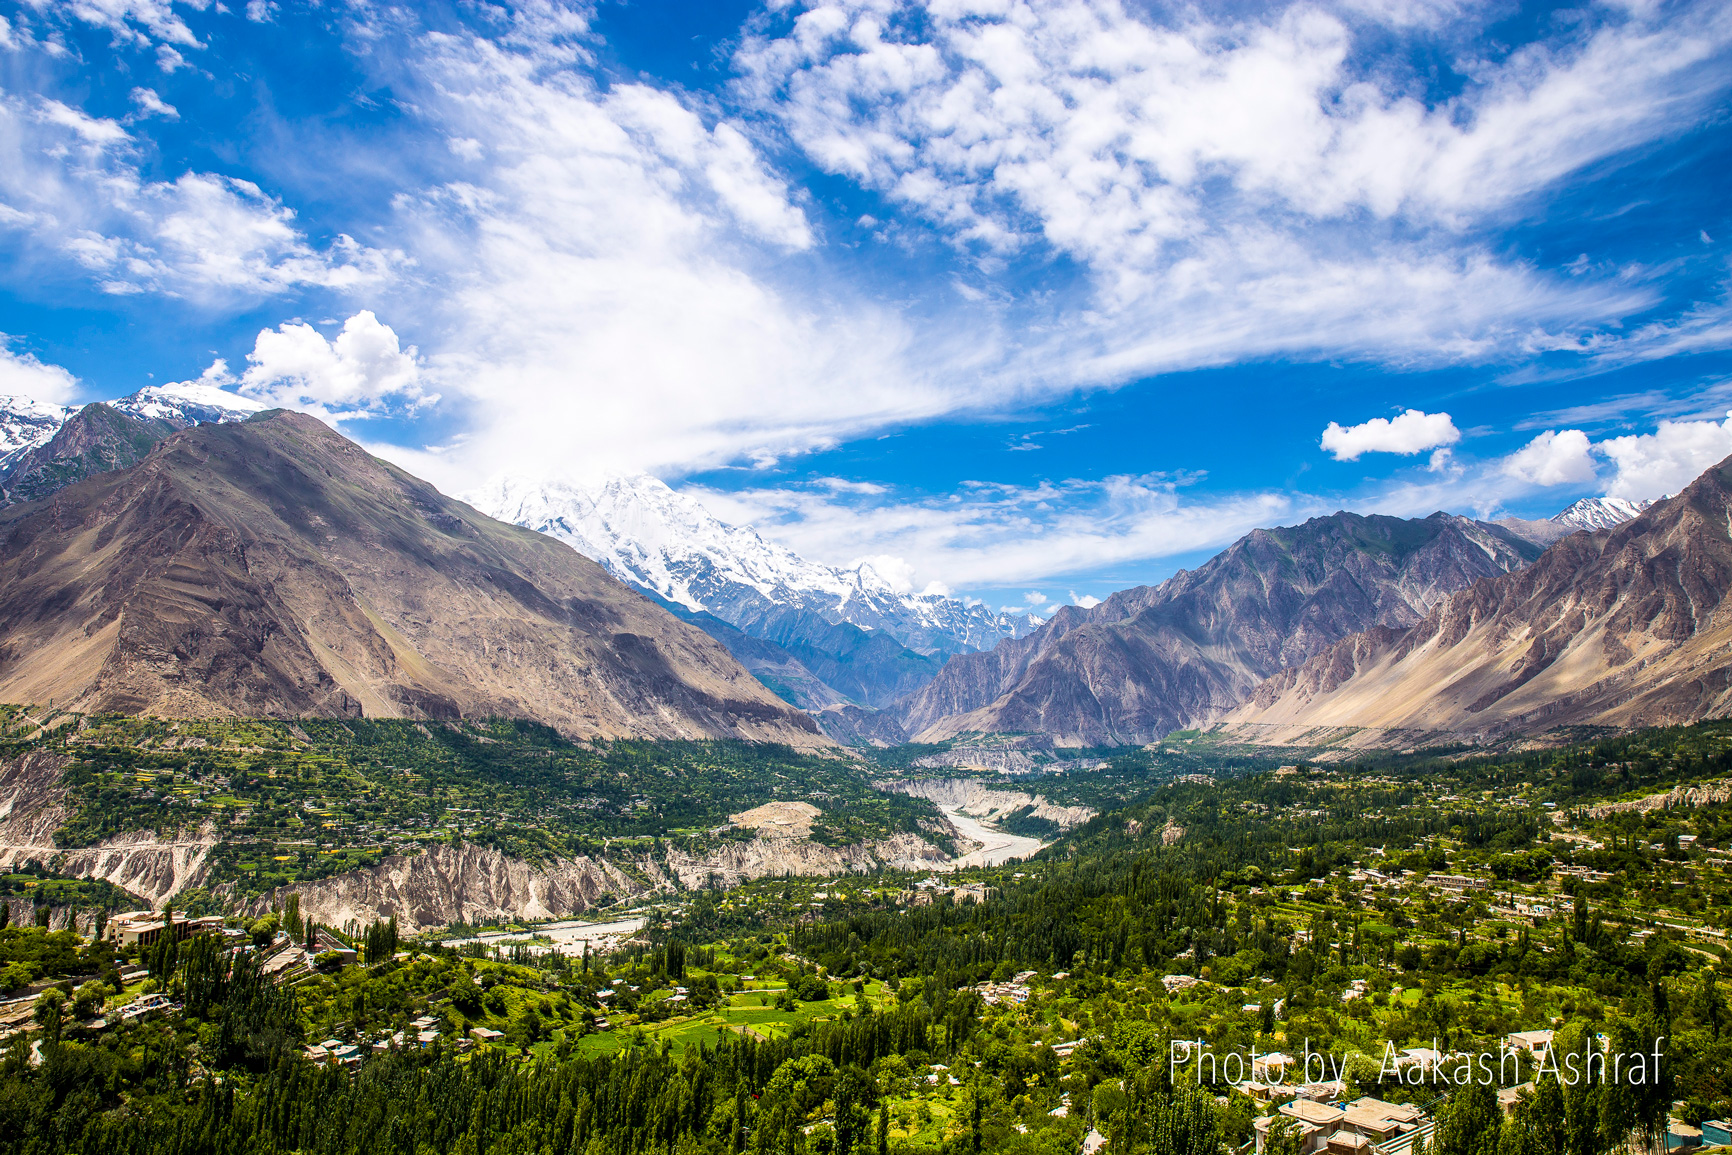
853	1092
1469	1123
1284	1138
1184	1123
48	1014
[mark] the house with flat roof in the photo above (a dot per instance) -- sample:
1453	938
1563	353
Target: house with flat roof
1366	1126
1536	1043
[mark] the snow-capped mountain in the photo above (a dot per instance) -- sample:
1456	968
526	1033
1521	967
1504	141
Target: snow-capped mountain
1592	513
26	424
188	403
668	544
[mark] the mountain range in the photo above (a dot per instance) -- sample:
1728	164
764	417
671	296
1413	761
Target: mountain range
272	567
1620	626
256	587
821	636
1154	659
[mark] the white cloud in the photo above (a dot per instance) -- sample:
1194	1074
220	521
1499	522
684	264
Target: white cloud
138	21
721	157
364	371
22	375
72	184
1237	185
1411	432
1553	458
150	104
1666	460
997	535
1086	601
604	283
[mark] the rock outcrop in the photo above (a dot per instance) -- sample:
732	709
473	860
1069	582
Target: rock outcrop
1701	794
735	862
977	799
142	862
446	884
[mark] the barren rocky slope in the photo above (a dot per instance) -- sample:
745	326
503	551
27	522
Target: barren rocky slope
274	568
1620	627
446	884
972	797
1154	659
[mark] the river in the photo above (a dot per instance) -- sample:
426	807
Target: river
996	846
565	935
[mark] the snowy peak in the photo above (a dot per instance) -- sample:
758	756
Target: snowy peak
188	403
1593	513
668	544
647	534
25	424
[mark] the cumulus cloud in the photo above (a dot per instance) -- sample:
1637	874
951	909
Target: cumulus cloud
22	375
1411	432
1650	465
363	371
1086	601
1553	458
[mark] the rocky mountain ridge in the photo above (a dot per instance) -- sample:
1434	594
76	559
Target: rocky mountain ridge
273	568
44	448
1158	658
1590	513
1625	626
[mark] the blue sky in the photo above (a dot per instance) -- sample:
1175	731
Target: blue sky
1023	299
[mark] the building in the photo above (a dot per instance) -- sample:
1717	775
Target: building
1509	1097
1536	1043
1682	1135
1363	1127
1716	1133
148	1005
1271	1068
145	926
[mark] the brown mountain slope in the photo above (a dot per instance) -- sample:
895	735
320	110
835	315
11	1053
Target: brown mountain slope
274	568
1621	627
1154	659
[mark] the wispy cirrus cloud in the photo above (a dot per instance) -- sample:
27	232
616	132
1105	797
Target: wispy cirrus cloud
1006	535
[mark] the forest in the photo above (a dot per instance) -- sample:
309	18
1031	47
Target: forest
1361	908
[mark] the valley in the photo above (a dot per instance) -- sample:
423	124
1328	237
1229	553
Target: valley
865	577
388	795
